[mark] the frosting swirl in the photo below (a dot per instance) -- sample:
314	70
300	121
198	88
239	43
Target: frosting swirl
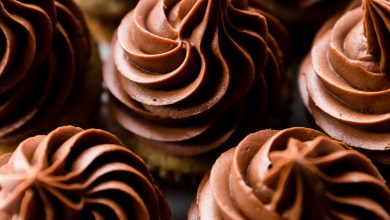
345	81
296	173
77	174
44	49
377	31
184	72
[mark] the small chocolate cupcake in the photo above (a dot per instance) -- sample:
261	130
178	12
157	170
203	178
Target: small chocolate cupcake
77	174
189	78
49	70
345	80
104	16
296	173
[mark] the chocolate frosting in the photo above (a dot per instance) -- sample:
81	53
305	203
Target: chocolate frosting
345	80
296	173
77	174
187	74
377	31
44	49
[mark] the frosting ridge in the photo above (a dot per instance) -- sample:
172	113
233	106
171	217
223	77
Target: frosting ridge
180	67
77	174
44	50
296	173
377	30
342	81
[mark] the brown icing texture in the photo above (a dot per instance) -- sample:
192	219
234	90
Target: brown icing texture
187	75
77	174
345	80
377	31
44	48
296	173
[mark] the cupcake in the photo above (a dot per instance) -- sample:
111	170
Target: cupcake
296	173
47	70
73	173
188	78
303	17
345	80
104	16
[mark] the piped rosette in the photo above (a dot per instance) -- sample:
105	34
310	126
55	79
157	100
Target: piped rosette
296	173
345	81
77	174
44	48
187	76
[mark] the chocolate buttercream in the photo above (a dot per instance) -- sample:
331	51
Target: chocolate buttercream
187	75
345	80
77	174
377	31
296	173
44	50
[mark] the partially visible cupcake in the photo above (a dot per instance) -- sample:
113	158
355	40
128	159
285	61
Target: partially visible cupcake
303	17
189	78
345	80
48	73
296	174
104	16
77	174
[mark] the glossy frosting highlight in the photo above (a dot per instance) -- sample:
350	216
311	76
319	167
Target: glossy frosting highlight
181	68
77	174
377	31
296	173
44	49
345	80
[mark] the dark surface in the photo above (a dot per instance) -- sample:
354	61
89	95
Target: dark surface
179	197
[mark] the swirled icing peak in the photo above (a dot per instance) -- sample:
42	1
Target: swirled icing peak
344	81
77	174
377	30
181	67
44	52
296	173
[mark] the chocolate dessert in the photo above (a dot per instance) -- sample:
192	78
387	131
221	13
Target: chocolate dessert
345	80
77	174
45	52
187	77
296	173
